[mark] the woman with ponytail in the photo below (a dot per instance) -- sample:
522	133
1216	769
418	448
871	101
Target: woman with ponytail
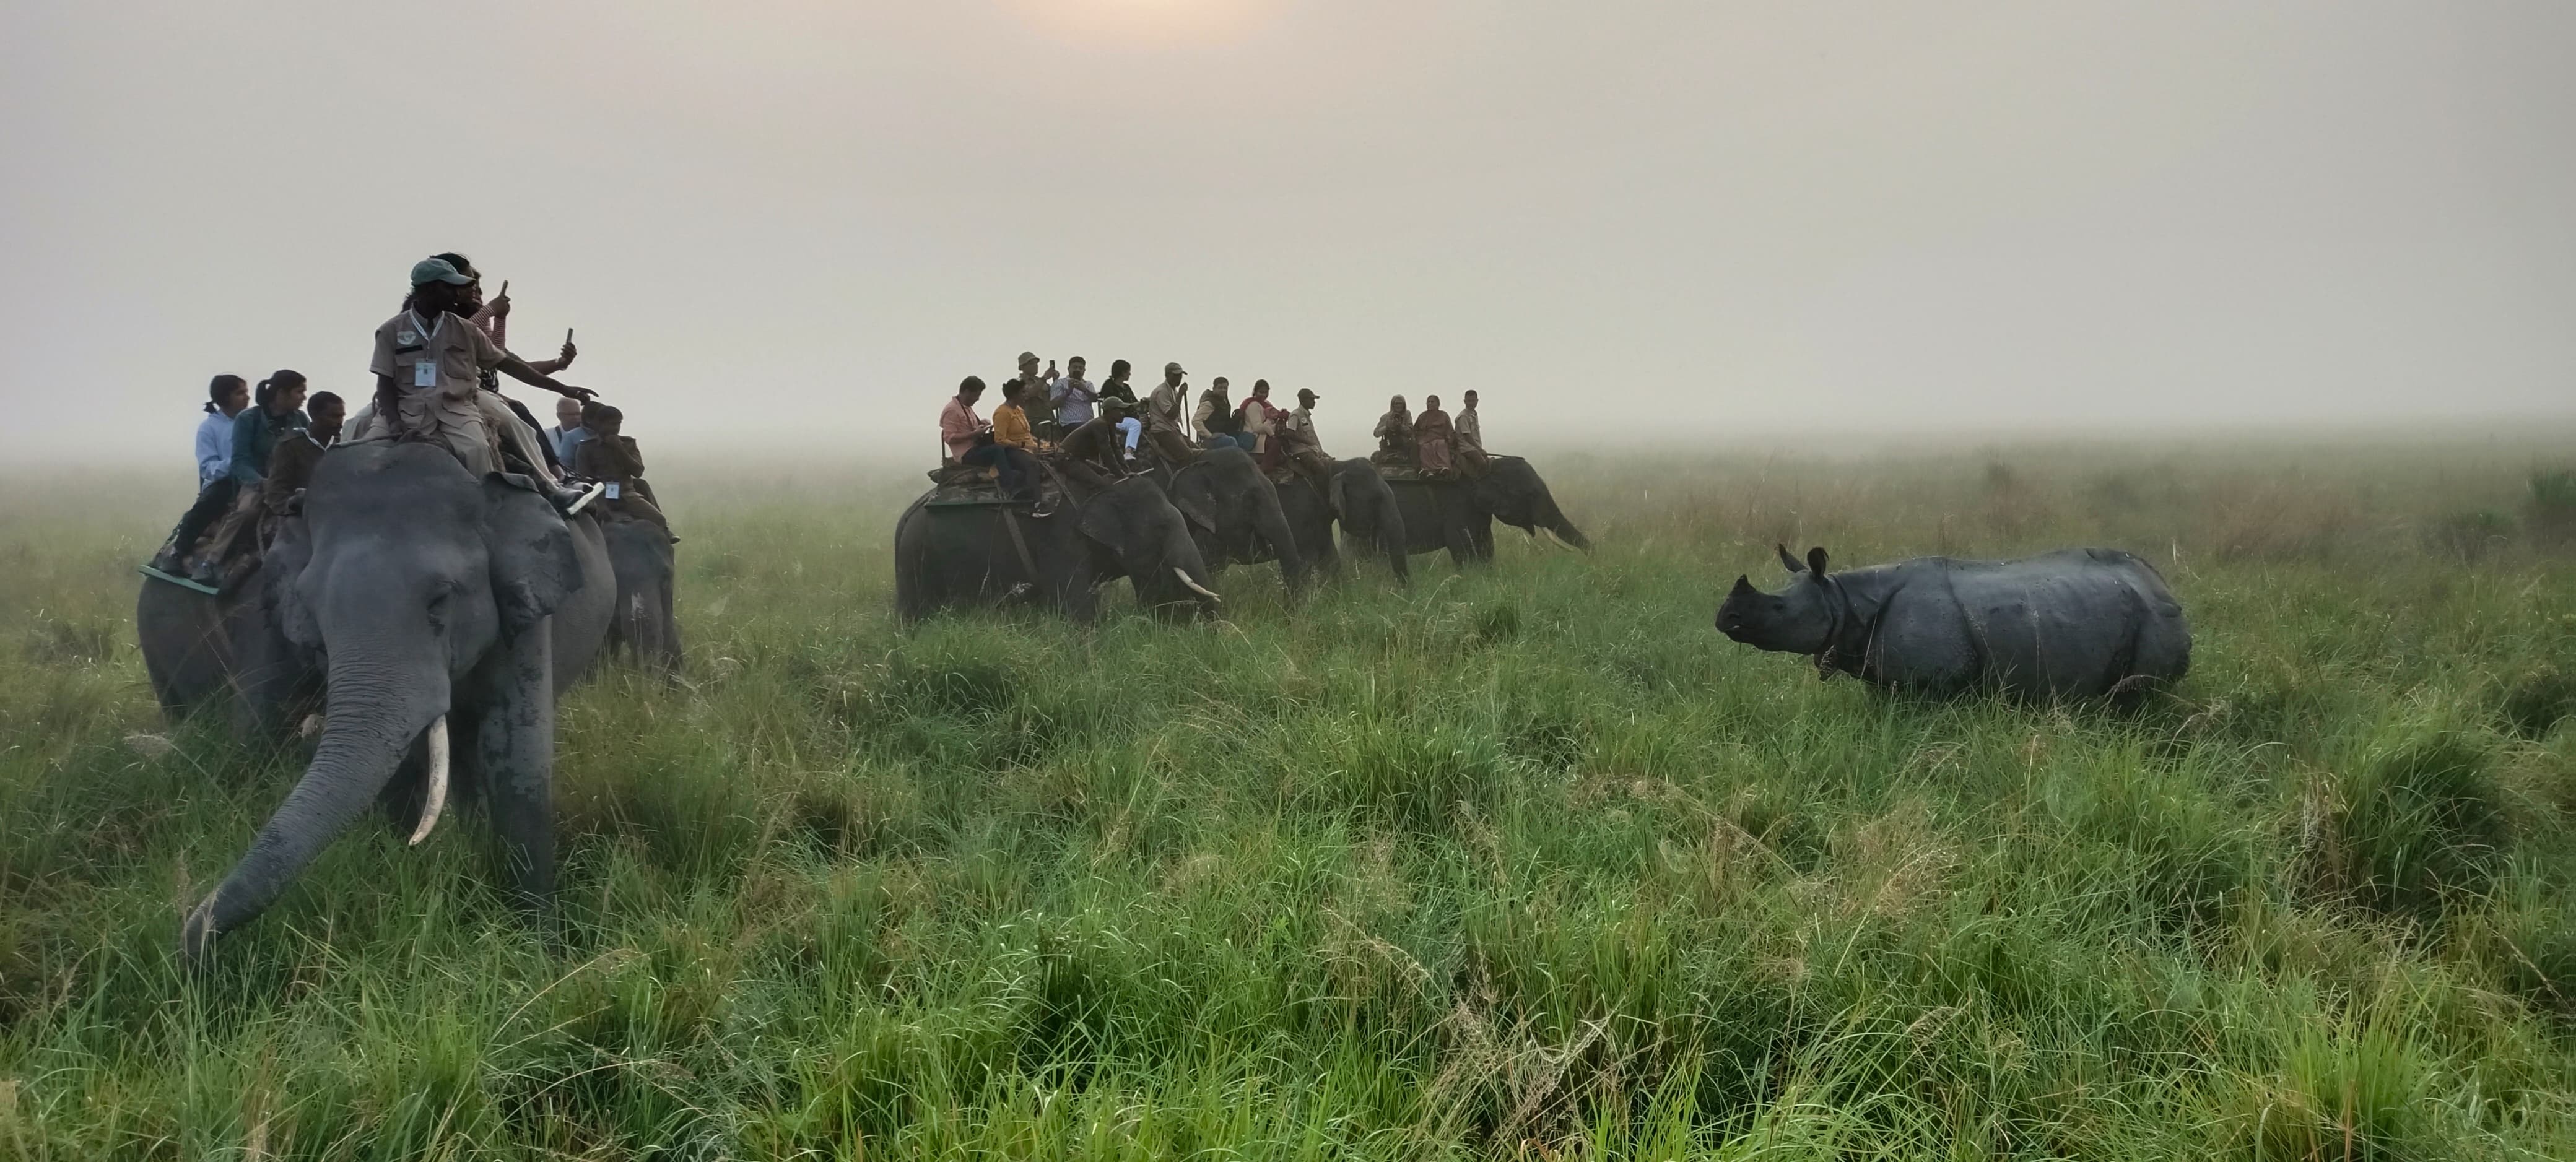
226	397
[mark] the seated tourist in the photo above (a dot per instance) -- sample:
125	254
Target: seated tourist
611	458
1431	437
226	396
1394	434
291	462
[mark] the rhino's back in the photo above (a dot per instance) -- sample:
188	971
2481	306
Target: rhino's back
2071	622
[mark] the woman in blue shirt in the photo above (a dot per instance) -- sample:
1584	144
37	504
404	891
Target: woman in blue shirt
226	397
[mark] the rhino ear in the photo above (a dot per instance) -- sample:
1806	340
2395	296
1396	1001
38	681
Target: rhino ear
1816	560
1789	561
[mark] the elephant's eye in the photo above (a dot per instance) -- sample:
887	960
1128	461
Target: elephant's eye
437	610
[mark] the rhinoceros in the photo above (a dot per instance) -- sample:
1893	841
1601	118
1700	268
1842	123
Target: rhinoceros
2077	623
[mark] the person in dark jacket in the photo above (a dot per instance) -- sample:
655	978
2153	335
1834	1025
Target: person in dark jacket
610	457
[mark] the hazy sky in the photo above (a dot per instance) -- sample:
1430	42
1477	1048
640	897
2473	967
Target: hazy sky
800	222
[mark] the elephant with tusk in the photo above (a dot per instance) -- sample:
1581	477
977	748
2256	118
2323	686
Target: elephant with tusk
444	614
1234	513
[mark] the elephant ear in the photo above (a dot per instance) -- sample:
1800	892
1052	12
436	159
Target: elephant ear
532	561
281	567
1104	518
1192	494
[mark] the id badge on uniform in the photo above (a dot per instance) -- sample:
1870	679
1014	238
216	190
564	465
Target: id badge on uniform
424	373
612	490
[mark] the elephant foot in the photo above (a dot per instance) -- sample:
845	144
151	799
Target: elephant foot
197	937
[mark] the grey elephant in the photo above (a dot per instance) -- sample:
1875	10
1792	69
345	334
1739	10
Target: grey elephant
1234	513
949	554
2078	623
644	621
445	613
1371	521
1459	515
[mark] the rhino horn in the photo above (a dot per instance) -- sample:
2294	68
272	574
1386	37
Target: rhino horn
1743	585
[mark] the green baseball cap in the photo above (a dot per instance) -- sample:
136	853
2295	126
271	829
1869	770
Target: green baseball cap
429	270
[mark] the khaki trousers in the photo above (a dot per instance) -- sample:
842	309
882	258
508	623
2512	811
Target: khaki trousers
466	427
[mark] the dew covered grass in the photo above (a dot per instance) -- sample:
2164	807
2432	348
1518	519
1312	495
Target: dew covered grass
1522	862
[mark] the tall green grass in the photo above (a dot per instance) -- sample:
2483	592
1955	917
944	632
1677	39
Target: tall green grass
1522	862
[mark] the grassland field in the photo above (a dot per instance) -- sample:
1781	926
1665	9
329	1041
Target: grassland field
1526	861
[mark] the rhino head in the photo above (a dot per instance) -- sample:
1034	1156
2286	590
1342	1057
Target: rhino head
1795	620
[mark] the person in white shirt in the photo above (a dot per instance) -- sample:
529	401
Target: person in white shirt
226	396
568	432
1072	395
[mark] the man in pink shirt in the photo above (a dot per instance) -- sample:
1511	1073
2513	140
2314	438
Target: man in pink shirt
958	423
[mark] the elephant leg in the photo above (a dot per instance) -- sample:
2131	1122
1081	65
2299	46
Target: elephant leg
1076	595
514	743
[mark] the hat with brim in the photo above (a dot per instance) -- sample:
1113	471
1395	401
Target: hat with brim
1171	369
1307	393
429	270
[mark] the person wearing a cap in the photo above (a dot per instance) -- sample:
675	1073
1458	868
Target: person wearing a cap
1163	423
428	365
1305	448
611	457
1032	395
1094	453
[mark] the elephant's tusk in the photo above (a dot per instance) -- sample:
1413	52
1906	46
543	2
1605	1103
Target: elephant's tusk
437	800
1195	587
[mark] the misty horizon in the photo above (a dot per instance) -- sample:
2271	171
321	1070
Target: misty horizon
793	228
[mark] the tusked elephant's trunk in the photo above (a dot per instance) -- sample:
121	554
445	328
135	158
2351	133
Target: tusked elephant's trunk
1553	520
376	713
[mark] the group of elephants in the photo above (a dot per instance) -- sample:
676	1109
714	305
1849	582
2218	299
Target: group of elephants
431	620
1169	530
